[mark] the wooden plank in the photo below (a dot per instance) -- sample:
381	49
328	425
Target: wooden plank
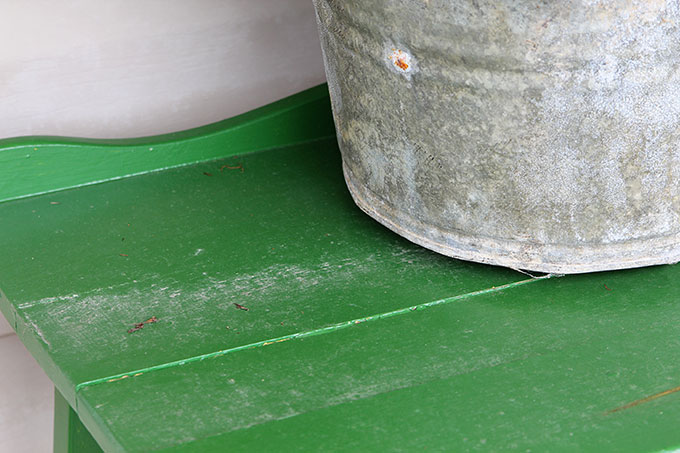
556	364
275	232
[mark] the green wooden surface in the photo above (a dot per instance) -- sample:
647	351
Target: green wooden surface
70	435
536	367
33	165
354	338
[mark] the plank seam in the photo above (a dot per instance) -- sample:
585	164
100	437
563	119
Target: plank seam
306	334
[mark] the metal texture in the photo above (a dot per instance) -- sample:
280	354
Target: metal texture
533	135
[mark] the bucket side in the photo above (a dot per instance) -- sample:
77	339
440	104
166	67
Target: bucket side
542	138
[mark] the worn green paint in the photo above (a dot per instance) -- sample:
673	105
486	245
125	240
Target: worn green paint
281	238
536	367
385	344
70	435
299	335
34	165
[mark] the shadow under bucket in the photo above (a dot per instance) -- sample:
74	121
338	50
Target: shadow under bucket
534	135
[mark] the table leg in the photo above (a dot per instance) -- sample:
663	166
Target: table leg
70	435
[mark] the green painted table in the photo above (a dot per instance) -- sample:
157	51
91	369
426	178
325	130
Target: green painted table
218	290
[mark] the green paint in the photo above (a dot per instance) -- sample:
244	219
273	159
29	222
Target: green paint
35	165
536	367
299	335
70	435
522	368
282	238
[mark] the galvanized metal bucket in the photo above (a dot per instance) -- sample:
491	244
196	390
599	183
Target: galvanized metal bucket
535	135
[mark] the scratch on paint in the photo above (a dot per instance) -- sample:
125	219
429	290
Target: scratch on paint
644	400
40	334
122	377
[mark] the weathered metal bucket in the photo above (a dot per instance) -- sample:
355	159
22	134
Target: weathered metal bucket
539	135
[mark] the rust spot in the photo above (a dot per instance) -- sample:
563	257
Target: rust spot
400	59
232	167
644	400
140	325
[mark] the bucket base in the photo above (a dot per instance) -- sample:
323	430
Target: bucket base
548	258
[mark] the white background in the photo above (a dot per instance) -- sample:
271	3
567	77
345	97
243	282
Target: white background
125	68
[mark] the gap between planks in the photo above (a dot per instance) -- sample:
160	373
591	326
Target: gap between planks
310	333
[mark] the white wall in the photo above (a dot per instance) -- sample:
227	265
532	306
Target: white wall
124	68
